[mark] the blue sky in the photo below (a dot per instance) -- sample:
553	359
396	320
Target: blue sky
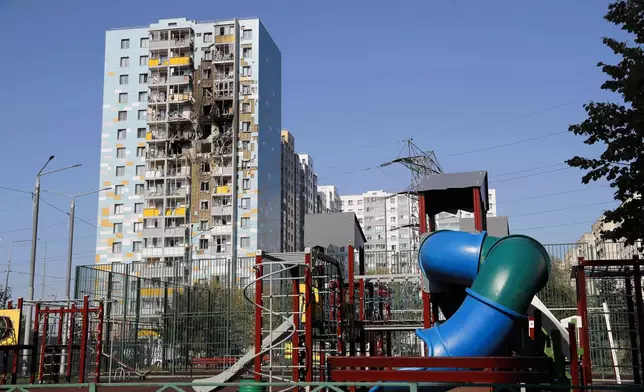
455	76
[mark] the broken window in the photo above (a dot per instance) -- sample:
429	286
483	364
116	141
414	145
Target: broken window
245	126
203	243
247	52
205	186
140	133
121	134
117	228
204	205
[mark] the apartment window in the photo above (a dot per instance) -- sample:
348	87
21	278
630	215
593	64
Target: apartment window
205	186
140	133
143	78
140	170
144	42
222	31
143	96
120	171
245	126
138	208
246	107
118	209
247	34
121	134
140	151
350	202
244	242
116	247
124	79
122	97
118	190
245	203
122	115
143	114
138	226
117	228
245	165
247	52
138	189
207	37
245	89
125	62
125	44
120	152
143	61
245	223
246	183
136	246
203	225
246	71
203	243
245	146
359	202
204	205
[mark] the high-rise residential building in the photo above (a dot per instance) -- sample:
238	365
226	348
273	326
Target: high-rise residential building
385	219
330	197
188	145
291	173
450	221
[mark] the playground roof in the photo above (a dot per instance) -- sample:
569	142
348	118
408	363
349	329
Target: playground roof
450	192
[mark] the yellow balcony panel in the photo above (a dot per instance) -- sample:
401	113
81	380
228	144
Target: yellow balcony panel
148	136
153	63
105	211
181	211
152	292
225	39
151	212
180	61
168	211
222	190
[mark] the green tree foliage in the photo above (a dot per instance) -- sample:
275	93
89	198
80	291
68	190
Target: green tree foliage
620	126
5	296
201	326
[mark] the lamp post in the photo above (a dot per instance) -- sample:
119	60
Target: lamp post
70	243
34	236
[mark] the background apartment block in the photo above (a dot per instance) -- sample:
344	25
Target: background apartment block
329	198
452	221
187	146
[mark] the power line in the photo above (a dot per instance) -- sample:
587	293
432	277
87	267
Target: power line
551	194
361	148
561	209
15	190
530	175
503	145
29	228
39	275
556	225
529	170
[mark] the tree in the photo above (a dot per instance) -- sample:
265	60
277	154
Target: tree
620	126
5	296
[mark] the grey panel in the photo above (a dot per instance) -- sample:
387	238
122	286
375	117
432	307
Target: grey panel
338	229
437	182
497	226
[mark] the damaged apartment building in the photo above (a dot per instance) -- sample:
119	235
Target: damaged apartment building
190	149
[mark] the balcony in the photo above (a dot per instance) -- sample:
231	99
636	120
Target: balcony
177	192
225	39
153	232
178	171
151	212
224	190
180	116
156	117
222	229
157	80
151	174
154	192
172	43
180	61
179	98
180	79
223	171
221	210
175	232
155	135
165	251
179	211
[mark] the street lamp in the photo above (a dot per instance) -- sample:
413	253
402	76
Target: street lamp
34	236
70	244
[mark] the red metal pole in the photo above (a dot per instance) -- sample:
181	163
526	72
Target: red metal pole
16	353
5	354
43	345
639	306
531	327
582	310
83	346
259	287
60	326
308	326
99	342
295	350
574	359
340	318
361	299
70	342
351	251
478	211
34	343
422	218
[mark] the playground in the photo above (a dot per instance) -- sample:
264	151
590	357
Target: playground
464	309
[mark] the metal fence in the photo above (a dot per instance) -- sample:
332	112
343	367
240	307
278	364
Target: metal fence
162	315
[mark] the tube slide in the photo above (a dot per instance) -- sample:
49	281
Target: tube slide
504	275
